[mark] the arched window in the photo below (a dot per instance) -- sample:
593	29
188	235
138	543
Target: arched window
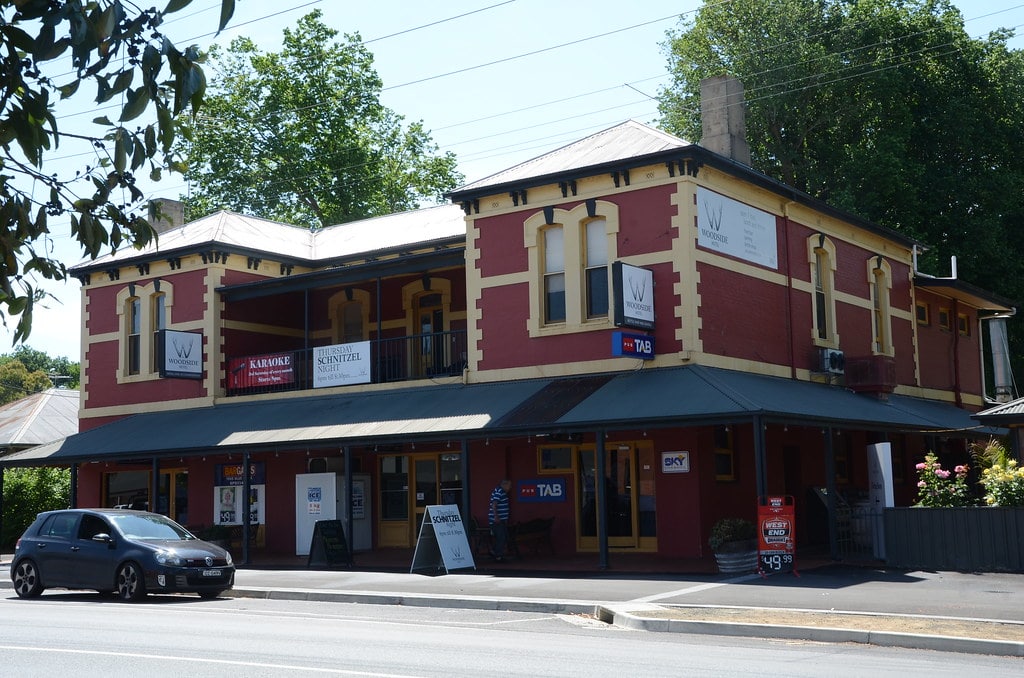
821	255
570	254
880	282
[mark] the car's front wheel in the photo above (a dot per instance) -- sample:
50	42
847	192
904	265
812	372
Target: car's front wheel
130	583
27	583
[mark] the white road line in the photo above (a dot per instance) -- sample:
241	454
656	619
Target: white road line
198	660
694	589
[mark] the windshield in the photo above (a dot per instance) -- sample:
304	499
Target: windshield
149	527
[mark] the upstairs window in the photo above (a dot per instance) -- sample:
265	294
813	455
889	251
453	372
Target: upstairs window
554	275
821	255
597	269
880	281
134	339
159	322
144	309
570	254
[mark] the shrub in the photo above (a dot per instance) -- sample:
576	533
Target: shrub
1004	484
939	488
729	530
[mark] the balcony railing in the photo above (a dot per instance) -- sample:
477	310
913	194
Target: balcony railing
420	356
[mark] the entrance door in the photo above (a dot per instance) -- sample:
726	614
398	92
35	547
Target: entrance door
409	484
425	473
429	347
620	499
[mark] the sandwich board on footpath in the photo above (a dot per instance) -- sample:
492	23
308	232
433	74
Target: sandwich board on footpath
442	543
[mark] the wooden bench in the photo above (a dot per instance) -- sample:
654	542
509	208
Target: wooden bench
535	533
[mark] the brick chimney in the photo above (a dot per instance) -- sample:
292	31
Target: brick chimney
172	214
723	118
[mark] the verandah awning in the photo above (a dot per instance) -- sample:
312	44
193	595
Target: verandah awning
688	395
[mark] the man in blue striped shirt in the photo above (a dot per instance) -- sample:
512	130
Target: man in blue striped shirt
497	517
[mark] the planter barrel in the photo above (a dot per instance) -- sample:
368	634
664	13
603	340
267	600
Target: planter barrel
737	557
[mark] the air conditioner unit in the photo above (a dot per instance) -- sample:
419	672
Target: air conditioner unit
326	465
832	361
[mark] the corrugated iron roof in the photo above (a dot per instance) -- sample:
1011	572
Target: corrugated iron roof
1011	412
39	418
232	230
629	139
682	396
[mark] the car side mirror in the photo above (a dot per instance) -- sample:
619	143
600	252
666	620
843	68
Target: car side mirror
104	538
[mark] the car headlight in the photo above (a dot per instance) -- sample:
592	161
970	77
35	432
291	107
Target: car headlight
228	560
165	558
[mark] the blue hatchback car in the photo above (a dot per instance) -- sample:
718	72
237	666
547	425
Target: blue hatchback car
130	553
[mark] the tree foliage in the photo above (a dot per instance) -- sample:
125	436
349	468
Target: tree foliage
48	49
54	372
886	108
301	136
29	491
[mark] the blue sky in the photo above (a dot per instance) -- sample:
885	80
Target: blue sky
495	81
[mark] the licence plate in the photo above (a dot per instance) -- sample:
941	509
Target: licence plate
211	573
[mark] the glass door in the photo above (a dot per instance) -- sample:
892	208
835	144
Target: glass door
425	469
429	346
620	496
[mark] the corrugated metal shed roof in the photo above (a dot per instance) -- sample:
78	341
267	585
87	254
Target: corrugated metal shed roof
1004	413
39	418
629	139
663	397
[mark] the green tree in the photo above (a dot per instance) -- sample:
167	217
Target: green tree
63	371
301	136
48	48
16	381
28	491
886	108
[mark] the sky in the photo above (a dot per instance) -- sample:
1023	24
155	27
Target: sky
496	82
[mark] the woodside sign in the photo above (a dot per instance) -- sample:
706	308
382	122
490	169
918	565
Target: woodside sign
181	354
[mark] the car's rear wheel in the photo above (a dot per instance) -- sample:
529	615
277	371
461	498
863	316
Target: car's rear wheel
27	583
130	583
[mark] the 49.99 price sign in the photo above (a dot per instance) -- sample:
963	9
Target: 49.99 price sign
776	535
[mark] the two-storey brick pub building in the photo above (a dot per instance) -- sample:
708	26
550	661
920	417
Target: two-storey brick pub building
644	334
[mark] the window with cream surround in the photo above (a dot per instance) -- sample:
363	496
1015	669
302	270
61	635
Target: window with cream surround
570	253
350	316
143	310
821	256
880	282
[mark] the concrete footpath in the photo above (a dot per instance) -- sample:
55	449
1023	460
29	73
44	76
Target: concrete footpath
979	613
950	611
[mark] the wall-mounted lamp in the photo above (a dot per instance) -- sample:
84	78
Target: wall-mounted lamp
426	282
131	289
156	285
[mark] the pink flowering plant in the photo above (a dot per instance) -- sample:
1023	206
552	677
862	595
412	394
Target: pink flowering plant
940	488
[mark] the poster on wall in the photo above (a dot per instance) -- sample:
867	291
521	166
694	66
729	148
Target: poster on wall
736	229
228	491
341	364
272	369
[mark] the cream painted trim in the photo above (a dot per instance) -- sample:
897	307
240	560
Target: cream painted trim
260	328
718	261
816	242
145	407
573	223
213	330
878	268
474	291
521	278
411	291
336	304
684	266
